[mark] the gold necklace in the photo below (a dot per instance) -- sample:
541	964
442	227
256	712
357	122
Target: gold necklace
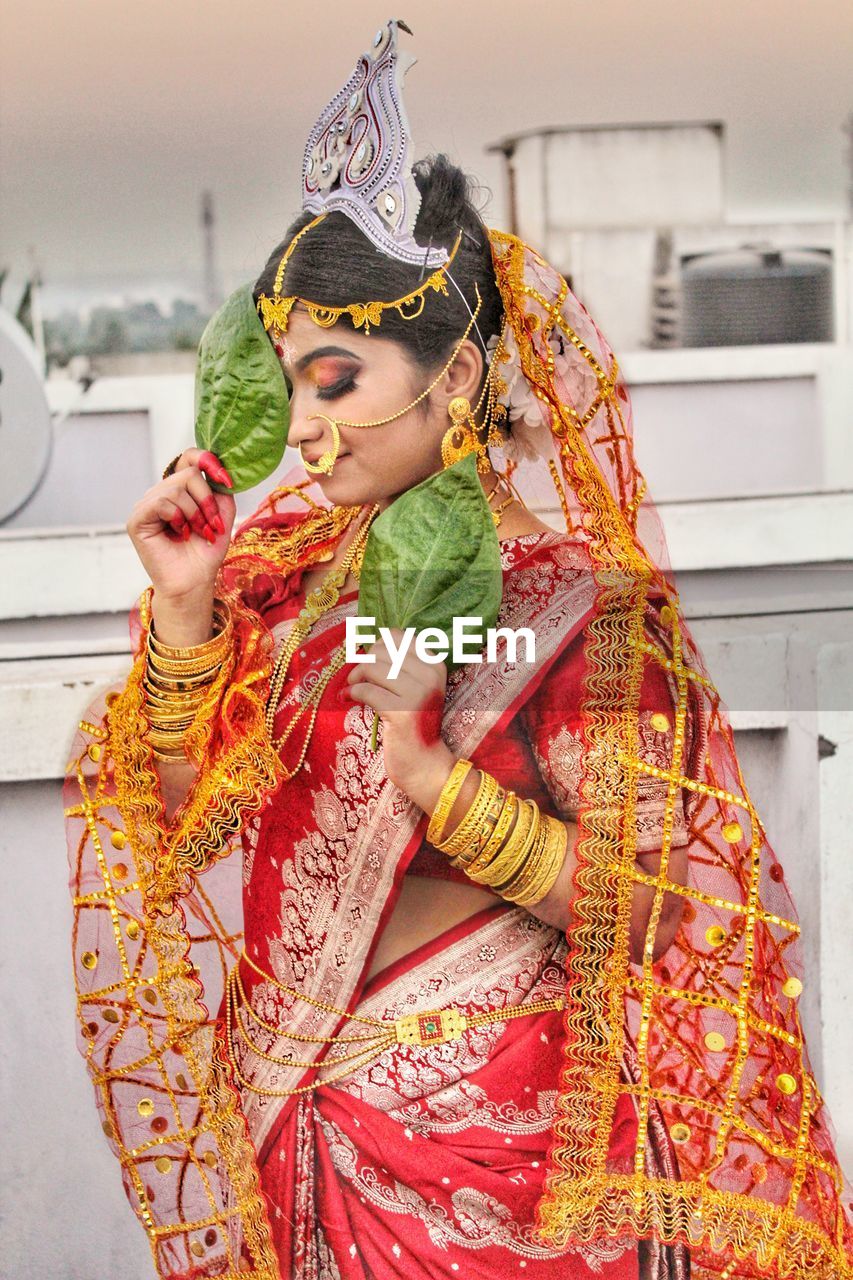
318	602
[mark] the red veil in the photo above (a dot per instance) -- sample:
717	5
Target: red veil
712	1027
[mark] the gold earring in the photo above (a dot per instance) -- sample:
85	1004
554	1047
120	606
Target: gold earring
461	438
326	461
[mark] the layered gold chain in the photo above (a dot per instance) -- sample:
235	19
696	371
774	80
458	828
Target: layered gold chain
318	602
425	1029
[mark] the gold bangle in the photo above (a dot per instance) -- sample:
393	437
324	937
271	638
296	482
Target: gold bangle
446	799
176	689
170	710
539	882
174	756
526	851
211	656
491	836
514	852
173	698
508	811
526	872
175	701
173	679
218	641
470	829
172	750
521	866
171	721
171	691
173	730
498	842
189	662
525	865
167	750
170	680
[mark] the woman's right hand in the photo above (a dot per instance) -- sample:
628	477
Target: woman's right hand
181	529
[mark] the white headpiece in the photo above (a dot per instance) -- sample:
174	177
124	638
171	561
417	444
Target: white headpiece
357	158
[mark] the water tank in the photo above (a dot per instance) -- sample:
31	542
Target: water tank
756	294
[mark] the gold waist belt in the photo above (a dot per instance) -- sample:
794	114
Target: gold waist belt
426	1028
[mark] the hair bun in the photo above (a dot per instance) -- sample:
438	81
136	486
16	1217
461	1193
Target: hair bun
446	202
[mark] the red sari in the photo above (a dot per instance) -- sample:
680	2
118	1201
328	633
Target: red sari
424	1161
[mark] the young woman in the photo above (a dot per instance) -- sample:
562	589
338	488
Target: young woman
516	992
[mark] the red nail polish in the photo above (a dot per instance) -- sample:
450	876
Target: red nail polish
218	472
344	695
209	534
186	531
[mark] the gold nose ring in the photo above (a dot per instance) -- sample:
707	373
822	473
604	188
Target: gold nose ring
326	461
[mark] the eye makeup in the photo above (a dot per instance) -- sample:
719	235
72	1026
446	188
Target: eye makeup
336	389
329	371
332	377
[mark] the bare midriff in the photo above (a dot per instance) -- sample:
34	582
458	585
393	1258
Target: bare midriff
426	906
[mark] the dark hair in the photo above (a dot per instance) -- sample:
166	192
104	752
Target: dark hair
335	264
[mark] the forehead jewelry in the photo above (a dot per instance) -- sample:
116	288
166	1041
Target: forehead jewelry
326	462
275	311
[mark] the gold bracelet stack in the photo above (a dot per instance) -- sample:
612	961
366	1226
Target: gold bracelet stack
502	841
177	681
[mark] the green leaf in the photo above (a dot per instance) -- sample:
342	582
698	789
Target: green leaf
432	556
241	403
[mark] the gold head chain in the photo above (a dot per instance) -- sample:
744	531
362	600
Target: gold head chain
275	311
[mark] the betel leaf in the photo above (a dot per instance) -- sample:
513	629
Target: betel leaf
242	409
432	556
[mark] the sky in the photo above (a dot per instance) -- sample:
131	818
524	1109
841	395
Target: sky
115	116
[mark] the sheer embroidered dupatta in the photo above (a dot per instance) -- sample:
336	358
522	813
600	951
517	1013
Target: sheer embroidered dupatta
720	1051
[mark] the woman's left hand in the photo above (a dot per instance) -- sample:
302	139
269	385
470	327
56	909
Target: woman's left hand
411	706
